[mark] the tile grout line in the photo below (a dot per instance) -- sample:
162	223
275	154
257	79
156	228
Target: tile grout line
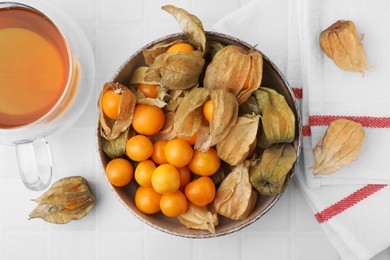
146	22
97	71
193	249
2	220
242	240
293	221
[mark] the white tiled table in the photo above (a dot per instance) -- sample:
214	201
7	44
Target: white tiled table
117	28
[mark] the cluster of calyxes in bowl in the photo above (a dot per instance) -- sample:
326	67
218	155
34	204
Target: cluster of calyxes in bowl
196	131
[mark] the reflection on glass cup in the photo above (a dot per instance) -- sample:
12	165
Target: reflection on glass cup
46	79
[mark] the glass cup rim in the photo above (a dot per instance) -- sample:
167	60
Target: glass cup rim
13	4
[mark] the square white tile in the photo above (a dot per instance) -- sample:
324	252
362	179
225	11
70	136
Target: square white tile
67	245
226	247
112	214
81	11
23	245
121	11
314	247
164	246
220	8
154	13
74	153
155	30
120	245
270	246
116	43
16	203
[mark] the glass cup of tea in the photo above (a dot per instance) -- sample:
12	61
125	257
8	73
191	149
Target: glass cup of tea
47	72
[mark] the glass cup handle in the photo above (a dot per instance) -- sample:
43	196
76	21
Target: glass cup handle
34	162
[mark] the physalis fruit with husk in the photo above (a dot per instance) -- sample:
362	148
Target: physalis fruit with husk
167	132
341	43
269	175
235	197
137	79
277	118
199	218
235	70
340	146
67	199
160	48
117	147
178	69
112	128
189	118
240	141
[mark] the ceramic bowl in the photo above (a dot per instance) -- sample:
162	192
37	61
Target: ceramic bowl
272	77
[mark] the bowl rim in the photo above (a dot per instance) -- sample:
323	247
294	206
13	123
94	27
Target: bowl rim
298	141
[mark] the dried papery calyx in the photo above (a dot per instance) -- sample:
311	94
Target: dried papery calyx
220	175
240	141
188	117
176	70
214	47
179	70
277	118
250	106
235	70
67	199
269	175
116	147
158	49
340	146
199	218
235	198
109	128
224	117
190	24
139	78
167	132
175	98
341	43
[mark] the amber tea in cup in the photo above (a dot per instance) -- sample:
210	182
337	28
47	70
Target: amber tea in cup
47	72
34	66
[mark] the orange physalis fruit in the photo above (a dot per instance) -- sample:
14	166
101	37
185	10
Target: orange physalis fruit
181	47
208	110
149	90
111	103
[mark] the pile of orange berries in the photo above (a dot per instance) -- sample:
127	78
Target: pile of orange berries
169	172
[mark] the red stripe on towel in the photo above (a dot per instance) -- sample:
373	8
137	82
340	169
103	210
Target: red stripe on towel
366	121
297	92
348	202
306	130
